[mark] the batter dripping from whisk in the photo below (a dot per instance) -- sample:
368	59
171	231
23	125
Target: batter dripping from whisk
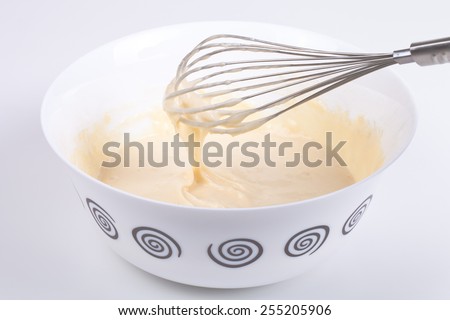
238	185
204	102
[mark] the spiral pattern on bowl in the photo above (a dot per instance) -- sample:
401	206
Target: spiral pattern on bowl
156	243
354	218
103	219
236	253
307	241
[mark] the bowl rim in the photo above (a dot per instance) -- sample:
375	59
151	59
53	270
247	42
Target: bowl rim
412	106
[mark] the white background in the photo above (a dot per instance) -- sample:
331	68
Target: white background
50	249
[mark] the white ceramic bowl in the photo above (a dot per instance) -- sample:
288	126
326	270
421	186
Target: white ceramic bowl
224	248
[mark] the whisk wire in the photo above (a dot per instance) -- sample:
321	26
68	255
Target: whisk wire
208	73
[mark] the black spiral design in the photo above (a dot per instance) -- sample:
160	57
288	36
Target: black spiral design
103	219
307	241
156	243
354	218
236	253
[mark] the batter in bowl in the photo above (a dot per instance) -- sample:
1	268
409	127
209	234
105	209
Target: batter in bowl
239	180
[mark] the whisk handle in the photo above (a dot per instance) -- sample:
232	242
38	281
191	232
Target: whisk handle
425	53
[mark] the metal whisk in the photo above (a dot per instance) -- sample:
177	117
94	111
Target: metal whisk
232	84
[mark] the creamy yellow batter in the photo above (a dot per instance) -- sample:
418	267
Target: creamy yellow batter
235	185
